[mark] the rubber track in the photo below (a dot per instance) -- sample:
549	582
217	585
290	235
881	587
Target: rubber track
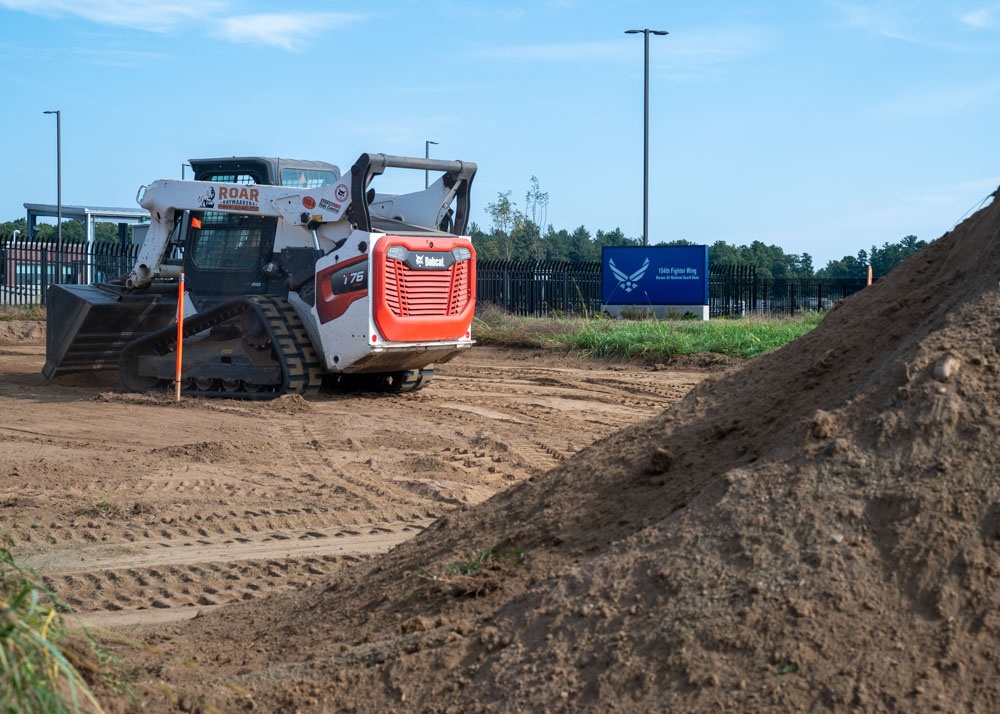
300	366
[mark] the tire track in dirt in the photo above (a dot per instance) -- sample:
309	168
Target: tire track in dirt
159	574
137	509
321	463
487	456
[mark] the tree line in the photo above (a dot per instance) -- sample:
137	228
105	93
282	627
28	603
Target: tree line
74	231
517	234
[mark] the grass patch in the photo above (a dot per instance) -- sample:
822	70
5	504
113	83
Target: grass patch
647	340
475	575
9	313
105	509
37	672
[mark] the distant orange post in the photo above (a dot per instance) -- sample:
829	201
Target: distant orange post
869	275
180	336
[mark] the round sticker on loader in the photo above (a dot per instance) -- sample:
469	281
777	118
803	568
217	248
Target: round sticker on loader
309	202
341	192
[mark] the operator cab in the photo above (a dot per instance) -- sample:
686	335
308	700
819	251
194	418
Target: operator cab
227	252
265	170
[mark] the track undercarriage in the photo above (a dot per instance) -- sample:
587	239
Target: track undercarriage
251	348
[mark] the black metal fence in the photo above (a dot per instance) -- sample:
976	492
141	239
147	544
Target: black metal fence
28	267
540	288
737	290
535	288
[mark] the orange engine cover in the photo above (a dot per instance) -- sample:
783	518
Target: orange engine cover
424	288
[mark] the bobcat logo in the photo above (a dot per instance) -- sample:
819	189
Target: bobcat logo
628	283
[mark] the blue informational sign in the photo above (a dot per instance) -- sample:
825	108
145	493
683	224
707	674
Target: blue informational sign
656	275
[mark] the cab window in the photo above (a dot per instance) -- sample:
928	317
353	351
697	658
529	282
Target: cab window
307	178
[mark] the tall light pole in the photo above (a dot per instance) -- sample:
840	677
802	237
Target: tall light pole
58	191
427	155
645	133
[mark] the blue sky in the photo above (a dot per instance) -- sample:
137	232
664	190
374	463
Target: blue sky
820	126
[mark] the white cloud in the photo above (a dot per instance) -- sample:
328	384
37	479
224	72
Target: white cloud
559	52
287	31
720	45
926	23
937	102
984	18
692	48
138	14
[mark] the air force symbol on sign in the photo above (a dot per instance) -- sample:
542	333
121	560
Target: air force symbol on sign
628	283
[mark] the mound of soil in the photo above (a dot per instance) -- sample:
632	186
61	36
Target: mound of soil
818	530
22	332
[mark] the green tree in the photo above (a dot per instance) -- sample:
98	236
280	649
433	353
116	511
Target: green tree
526	241
487	247
7	229
614	239
721	253
805	266
846	267
889	256
556	244
536	203
505	218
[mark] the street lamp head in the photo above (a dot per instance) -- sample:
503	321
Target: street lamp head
51	111
647	32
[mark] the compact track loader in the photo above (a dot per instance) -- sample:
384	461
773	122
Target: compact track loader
295	277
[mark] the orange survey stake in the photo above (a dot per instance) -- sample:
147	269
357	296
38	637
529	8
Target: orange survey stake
180	336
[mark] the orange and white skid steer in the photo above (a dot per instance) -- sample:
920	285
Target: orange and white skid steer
296	276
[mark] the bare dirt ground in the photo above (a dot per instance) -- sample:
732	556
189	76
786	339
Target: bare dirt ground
816	530
137	510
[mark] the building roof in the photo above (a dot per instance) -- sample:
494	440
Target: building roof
82	212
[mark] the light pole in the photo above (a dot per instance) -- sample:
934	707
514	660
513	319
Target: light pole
427	155
58	190
645	133
58	184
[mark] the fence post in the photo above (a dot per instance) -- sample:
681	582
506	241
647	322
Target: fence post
45	271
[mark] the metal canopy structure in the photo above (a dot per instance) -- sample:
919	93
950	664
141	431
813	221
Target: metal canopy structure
88	215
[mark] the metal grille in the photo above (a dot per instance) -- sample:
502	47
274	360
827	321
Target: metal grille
411	293
226	241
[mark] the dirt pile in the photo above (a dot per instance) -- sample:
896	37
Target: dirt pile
21	332
818	530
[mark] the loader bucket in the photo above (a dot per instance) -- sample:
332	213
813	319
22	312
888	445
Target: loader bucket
88	326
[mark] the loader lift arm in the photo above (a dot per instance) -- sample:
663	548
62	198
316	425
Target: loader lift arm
456	183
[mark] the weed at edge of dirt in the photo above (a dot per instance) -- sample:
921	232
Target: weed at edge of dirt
475	575
104	508
37	673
